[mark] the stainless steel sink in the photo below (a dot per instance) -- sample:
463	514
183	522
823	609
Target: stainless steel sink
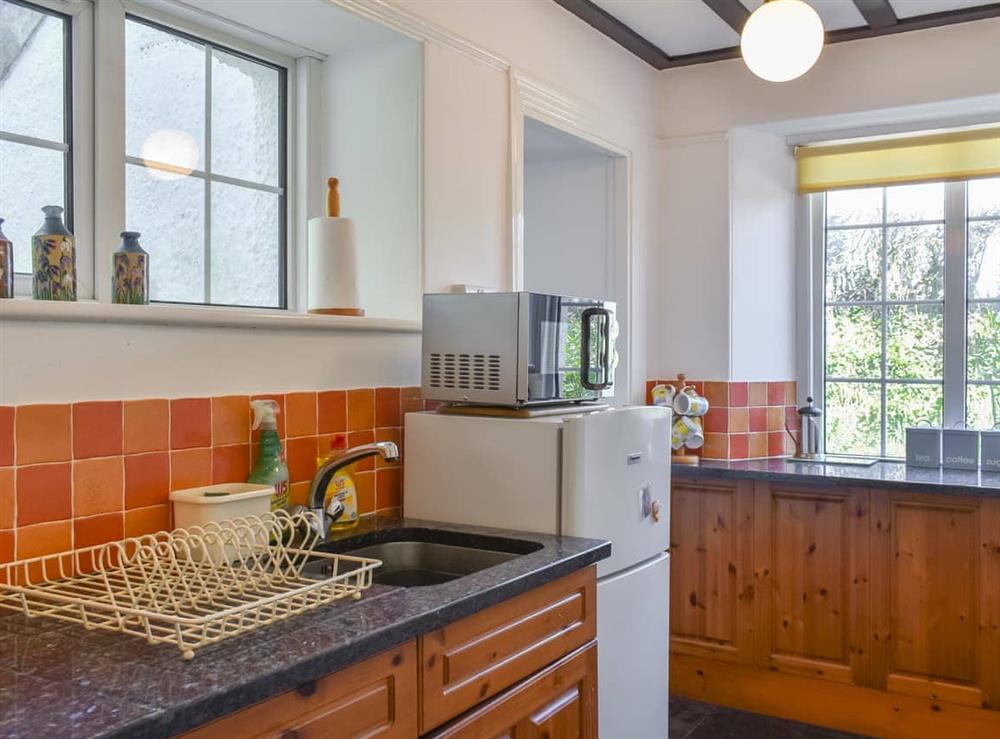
420	557
414	563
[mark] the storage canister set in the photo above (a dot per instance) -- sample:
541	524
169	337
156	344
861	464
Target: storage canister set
954	448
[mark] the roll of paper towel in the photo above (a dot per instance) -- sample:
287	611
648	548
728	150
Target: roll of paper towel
333	267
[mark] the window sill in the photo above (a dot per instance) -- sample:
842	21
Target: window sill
88	311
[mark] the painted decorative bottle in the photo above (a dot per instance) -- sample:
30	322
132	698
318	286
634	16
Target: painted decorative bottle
130	271
53	258
6	265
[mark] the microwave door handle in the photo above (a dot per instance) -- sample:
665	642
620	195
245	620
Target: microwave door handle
605	383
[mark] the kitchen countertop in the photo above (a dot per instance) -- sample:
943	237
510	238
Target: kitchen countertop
58	679
891	475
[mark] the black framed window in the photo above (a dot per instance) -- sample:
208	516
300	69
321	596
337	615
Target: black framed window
36	121
205	167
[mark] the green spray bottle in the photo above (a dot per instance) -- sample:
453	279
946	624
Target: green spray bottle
270	468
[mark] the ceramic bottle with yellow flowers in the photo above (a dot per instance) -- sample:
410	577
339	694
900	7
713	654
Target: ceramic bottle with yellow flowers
130	271
53	258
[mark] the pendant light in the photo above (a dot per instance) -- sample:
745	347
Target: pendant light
782	40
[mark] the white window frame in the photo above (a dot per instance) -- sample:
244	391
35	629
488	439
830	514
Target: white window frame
109	132
97	73
956	305
81	144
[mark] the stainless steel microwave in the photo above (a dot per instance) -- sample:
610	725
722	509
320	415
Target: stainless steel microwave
517	349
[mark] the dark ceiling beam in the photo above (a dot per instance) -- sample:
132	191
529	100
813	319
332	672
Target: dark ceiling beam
877	13
914	23
614	29
656	57
733	12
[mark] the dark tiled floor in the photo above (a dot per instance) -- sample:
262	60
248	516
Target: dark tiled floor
693	720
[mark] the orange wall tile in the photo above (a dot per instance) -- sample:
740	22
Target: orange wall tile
360	409
98	486
147	479
97	429
190	423
146	426
230	420
81	474
44	493
7	498
301	410
6	435
190	468
42	433
744	418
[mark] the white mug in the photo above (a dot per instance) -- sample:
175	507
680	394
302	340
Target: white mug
663	395
688	403
686	432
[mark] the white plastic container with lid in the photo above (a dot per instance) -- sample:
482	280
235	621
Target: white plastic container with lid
201	505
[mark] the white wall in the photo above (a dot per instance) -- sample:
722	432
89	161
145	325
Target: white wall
906	69
568	217
727	206
57	362
689	308
467	219
762	253
371	98
466	172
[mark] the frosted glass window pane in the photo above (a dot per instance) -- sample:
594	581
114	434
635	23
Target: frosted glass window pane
32	72
245	238
246	110
170	215
915	203
29	178
164	96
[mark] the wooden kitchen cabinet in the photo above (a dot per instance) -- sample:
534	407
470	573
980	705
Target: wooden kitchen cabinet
526	667
560	702
811	604
374	698
711	569
868	610
476	657
936	596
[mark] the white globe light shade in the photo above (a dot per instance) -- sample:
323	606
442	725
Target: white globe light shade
781	40
171	148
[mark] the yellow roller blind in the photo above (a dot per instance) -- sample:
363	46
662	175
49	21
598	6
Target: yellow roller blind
957	155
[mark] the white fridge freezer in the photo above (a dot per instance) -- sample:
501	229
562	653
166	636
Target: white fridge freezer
602	474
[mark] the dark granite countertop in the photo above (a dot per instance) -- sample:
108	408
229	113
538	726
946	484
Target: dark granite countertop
891	475
58	679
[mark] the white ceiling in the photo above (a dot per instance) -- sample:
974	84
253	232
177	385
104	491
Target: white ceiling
680	27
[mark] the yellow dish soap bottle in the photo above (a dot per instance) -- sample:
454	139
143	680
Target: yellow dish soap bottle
340	499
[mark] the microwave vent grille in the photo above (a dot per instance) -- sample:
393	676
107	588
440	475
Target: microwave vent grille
465	371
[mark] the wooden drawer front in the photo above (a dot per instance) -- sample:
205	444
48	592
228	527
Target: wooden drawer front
711	569
470	660
560	702
374	698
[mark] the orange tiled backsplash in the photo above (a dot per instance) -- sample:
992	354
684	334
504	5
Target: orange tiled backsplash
80	474
745	420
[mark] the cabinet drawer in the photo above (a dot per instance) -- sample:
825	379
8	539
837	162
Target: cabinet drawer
470	660
374	698
560	701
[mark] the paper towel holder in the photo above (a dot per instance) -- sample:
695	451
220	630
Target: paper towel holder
333	279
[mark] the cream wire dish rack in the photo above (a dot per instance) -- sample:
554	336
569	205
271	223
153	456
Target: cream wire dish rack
189	587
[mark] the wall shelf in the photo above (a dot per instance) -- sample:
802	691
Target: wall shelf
87	311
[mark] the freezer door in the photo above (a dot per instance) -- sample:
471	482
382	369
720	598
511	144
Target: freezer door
633	651
616	482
